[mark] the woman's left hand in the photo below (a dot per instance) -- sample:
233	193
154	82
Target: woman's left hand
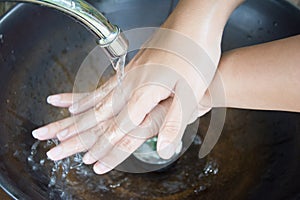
158	95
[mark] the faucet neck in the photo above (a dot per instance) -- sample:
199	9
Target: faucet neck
110	37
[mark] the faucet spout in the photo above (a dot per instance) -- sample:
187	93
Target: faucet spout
110	37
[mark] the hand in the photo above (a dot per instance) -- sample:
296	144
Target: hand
116	153
101	122
113	113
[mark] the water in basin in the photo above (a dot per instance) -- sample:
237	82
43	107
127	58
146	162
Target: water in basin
257	150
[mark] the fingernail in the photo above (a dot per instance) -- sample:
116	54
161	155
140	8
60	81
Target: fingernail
41	132
55	153
166	150
53	99
179	148
100	168
73	108
62	134
87	159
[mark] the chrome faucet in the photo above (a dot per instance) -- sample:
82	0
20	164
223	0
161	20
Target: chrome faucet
110	37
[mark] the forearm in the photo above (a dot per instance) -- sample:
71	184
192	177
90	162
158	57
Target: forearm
265	76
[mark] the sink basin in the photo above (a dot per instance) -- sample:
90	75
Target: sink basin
257	156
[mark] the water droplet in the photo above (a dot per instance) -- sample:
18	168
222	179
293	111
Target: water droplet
30	159
1	38
16	153
42	162
200	189
52	181
118	184
211	168
73	4
34	167
197	140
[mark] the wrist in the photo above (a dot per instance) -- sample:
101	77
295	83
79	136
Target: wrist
226	81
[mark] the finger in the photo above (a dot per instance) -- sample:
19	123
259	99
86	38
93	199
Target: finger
171	131
183	105
141	102
94	97
109	139
68	127
118	154
130	142
79	143
103	145
86	121
101	112
49	131
65	100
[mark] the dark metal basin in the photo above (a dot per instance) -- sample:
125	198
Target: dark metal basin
257	156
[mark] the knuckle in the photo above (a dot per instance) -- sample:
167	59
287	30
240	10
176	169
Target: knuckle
80	145
126	144
94	130
171	127
104	108
116	135
99	107
83	142
97	130
59	125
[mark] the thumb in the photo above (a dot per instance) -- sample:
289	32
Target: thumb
170	135
171	132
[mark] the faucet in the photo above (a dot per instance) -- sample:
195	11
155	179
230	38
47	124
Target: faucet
110	37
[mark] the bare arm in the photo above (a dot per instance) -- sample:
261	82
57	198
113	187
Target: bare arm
264	77
202	20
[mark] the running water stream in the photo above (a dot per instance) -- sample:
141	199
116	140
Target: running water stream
61	168
119	65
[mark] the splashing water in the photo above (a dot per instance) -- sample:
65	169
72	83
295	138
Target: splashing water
58	170
69	178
